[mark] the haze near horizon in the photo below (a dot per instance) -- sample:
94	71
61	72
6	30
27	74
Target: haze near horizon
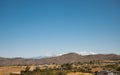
31	28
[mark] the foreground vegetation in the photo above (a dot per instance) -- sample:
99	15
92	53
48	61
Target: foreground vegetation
76	68
64	69
38	71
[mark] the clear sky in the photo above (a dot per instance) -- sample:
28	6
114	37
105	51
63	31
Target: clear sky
31	28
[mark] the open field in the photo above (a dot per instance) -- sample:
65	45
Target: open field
76	68
11	69
6	70
79	73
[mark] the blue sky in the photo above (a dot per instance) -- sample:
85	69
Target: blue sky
31	28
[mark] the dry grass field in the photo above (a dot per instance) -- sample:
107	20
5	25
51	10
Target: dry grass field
79	73
11	69
6	70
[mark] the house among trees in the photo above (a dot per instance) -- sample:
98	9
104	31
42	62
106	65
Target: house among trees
104	72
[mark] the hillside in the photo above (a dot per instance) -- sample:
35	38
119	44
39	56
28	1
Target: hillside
66	58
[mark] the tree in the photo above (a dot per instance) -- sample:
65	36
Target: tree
67	66
37	69
118	68
61	73
27	69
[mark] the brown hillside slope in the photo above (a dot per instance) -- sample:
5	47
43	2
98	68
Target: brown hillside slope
66	58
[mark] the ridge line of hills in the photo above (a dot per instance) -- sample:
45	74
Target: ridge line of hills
65	58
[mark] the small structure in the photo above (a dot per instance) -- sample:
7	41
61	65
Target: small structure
116	72
104	72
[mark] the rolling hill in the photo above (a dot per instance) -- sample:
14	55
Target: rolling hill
66	58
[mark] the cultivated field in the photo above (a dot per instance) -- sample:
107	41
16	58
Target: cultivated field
79	73
11	69
6	70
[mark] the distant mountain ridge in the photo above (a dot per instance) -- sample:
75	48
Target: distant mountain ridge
65	58
39	57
